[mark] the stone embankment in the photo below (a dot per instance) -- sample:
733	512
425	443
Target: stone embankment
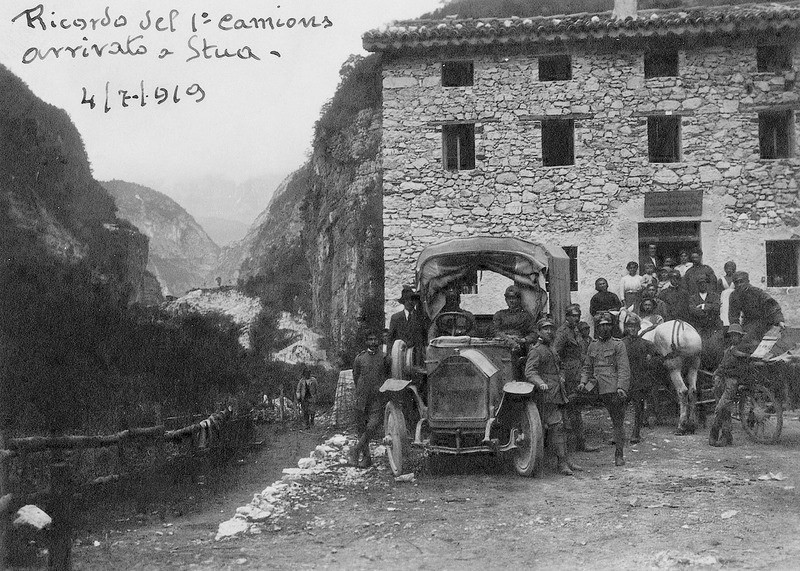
325	468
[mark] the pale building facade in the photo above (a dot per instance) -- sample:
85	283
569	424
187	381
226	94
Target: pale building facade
600	135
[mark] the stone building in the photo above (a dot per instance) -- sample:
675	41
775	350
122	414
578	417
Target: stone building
598	132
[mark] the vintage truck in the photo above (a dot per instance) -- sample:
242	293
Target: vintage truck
469	398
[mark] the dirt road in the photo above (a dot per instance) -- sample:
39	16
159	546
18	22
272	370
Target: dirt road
677	503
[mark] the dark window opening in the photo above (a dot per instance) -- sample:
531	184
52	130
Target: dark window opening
773	58
572	252
457	73
558	142
664	139
555	68
670	238
775	134
459	146
782	263
661	64
469	283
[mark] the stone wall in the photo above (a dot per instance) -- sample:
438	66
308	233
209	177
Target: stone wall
597	203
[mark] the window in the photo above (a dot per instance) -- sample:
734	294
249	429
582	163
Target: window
555	68
773	58
558	142
661	64
776	134
469	283
572	252
670	238
782	263
457	73
459	146
664	139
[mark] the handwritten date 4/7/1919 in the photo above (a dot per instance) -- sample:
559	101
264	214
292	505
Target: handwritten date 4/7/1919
142	96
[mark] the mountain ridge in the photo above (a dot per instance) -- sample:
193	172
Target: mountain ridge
181	252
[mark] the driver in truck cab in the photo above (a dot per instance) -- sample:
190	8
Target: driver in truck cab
515	325
452	304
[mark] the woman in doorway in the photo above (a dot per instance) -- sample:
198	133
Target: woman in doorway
725	289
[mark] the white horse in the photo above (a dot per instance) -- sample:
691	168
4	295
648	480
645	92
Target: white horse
680	345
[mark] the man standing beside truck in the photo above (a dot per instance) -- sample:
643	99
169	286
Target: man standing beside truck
607	365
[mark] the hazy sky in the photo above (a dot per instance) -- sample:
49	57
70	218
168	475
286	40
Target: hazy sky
257	115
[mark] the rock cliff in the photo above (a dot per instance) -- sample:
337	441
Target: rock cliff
181	253
318	244
52	208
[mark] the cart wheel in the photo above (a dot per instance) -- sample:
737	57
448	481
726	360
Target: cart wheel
397	439
761	414
528	456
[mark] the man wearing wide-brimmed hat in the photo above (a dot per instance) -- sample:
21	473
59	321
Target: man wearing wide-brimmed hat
408	324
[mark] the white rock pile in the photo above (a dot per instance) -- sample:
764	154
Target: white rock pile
324	468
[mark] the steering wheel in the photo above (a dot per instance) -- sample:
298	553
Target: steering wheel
455	322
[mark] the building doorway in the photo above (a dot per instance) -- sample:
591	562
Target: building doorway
670	238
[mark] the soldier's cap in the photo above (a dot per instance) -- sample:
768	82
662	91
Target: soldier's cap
735	328
513	291
542	323
605	318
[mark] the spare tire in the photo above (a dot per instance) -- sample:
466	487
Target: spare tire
402	360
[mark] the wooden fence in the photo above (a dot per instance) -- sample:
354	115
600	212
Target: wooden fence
219	428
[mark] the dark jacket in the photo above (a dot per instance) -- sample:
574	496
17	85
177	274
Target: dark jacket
694	272
604	301
754	305
370	370
642	358
677	303
705	318
413	330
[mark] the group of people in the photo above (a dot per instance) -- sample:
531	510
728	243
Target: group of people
566	362
662	290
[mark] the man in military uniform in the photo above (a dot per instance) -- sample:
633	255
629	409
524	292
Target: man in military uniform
607	364
370	369
570	346
543	371
514	325
726	381
642	358
757	310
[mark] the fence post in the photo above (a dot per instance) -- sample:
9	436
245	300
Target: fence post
60	557
3	491
281	402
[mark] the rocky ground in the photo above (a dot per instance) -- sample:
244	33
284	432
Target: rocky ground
677	503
